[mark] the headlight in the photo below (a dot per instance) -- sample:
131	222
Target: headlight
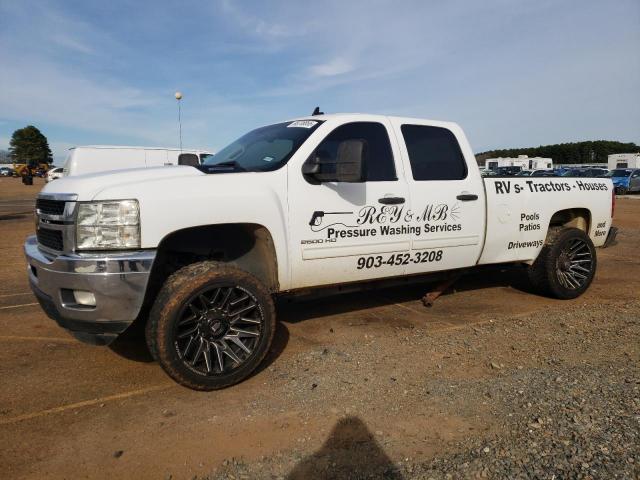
108	225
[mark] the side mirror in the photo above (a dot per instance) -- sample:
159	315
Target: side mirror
346	167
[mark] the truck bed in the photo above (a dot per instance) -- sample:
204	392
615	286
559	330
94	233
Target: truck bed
519	211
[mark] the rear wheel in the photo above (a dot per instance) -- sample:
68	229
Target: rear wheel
211	325
566	265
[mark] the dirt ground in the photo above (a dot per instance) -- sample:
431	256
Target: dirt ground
492	381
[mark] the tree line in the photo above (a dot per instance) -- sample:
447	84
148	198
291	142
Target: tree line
595	151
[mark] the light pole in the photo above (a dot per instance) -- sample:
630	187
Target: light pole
178	98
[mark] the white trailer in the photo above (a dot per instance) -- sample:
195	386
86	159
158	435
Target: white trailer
102	158
523	161
624	160
540	163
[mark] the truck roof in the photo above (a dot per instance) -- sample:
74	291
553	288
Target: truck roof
373	117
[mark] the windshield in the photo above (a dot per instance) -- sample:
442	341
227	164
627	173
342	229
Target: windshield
261	150
619	173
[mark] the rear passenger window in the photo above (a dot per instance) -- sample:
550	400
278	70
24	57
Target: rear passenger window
434	153
378	161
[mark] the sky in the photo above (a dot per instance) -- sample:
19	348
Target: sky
511	73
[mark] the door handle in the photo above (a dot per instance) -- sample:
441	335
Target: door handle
391	200
467	197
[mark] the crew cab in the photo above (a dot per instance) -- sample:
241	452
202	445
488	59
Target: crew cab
197	253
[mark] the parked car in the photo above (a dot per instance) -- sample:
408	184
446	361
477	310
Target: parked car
584	172
316	202
53	173
536	173
598	172
6	172
625	180
102	158
508	171
543	173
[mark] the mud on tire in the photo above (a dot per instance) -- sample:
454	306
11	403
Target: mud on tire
211	325
566	265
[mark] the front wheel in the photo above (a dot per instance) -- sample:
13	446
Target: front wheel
566	265
211	325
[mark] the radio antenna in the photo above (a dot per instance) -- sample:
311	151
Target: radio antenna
178	98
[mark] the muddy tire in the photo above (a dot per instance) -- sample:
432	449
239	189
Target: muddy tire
566	265
211	325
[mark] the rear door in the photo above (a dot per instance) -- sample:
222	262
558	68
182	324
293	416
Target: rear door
342	232
447	203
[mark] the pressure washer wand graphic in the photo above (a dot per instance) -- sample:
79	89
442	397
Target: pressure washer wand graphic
316	218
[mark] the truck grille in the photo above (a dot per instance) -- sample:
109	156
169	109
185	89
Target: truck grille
50	207
50	238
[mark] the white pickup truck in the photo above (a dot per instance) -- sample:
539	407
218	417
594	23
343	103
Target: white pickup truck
199	252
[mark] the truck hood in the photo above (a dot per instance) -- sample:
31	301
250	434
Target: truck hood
87	187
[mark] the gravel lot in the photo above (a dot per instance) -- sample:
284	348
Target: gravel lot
491	382
566	405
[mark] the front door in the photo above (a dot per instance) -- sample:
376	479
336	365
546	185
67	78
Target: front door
342	232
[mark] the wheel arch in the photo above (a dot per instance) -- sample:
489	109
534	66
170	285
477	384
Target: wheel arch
248	246
570	218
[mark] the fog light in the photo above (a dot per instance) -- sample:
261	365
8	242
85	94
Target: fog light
83	297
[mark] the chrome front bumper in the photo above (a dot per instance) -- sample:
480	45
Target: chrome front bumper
118	280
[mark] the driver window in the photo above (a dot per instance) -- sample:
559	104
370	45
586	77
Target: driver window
378	161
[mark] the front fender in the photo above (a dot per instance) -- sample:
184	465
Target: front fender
168	205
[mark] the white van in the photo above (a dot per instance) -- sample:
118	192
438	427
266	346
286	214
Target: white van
101	158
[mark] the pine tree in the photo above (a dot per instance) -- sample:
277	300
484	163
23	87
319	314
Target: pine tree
28	145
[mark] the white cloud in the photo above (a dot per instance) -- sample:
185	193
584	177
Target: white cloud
266	29
337	66
41	90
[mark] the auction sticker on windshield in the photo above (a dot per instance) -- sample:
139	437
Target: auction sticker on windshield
302	124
